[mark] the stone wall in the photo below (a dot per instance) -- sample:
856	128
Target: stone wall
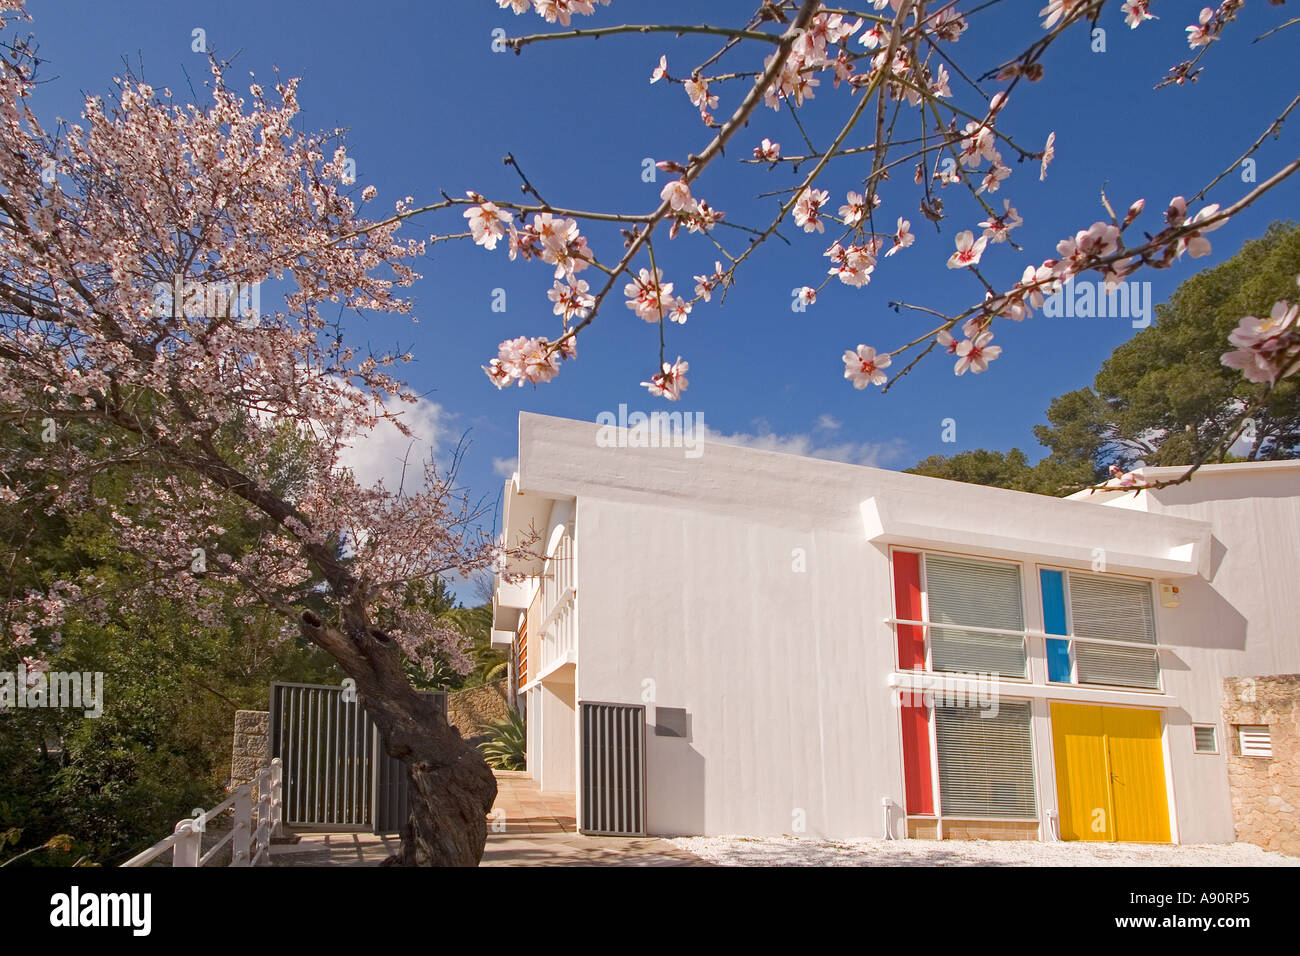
251	750
1265	790
468	710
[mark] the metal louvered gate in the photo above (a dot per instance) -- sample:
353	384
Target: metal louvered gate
613	769
336	771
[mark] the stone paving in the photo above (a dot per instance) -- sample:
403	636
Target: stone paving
540	829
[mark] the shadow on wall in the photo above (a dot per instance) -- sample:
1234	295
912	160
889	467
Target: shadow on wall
674	775
1199	602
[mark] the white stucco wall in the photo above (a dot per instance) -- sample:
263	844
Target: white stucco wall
1243	621
690	596
781	681
558	771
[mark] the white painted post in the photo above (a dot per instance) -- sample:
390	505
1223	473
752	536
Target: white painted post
189	846
239	844
277	797
262	835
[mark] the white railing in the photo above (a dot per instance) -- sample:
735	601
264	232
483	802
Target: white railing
255	824
557	574
1041	637
558	621
557	640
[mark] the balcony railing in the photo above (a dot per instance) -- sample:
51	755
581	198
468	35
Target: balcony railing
1133	652
557	574
548	638
557	640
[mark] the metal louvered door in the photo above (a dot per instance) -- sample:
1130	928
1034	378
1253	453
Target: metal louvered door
327	745
336	772
392	786
390	797
613	769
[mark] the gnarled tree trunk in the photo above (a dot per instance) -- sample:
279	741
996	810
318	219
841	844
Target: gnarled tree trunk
451	786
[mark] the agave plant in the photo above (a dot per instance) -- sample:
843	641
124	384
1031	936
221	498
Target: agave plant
504	747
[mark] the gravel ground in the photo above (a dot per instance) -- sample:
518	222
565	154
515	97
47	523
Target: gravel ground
789	851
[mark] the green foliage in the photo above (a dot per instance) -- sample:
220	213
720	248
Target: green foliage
505	744
474	624
1163	397
118	783
1003	470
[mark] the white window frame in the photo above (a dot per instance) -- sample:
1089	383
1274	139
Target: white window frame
1214	730
937	781
1071	638
928	625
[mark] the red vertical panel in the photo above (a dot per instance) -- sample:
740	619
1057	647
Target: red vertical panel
916	759
907	607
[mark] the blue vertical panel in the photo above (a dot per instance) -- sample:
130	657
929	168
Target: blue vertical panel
1058	652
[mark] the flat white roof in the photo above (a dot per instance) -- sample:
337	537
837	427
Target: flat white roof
563	458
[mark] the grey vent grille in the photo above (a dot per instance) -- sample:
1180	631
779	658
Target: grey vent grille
613	769
1206	740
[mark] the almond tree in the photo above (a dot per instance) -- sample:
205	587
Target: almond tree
906	106
99	220
128	242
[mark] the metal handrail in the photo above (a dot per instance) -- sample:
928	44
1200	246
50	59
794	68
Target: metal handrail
1146	645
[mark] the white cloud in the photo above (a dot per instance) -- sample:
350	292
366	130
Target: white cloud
872	454
826	423
505	467
385	452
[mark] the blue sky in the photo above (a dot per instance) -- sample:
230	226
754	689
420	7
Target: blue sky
428	106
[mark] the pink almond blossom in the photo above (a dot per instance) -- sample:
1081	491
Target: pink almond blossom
903	237
807	209
969	250
1136	12
487	223
975	354
1049	154
649	296
671	382
768	151
863	367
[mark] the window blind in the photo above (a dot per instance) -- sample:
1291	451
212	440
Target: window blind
978	594
986	764
1118	610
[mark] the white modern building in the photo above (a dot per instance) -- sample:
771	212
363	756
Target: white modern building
722	640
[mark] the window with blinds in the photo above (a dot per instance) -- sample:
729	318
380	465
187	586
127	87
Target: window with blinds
977	594
1113	609
986	762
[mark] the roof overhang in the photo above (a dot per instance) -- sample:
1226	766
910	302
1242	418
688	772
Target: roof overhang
524	521
1070	533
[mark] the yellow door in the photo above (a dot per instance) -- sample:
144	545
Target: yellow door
1079	739
1137	775
1110	776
